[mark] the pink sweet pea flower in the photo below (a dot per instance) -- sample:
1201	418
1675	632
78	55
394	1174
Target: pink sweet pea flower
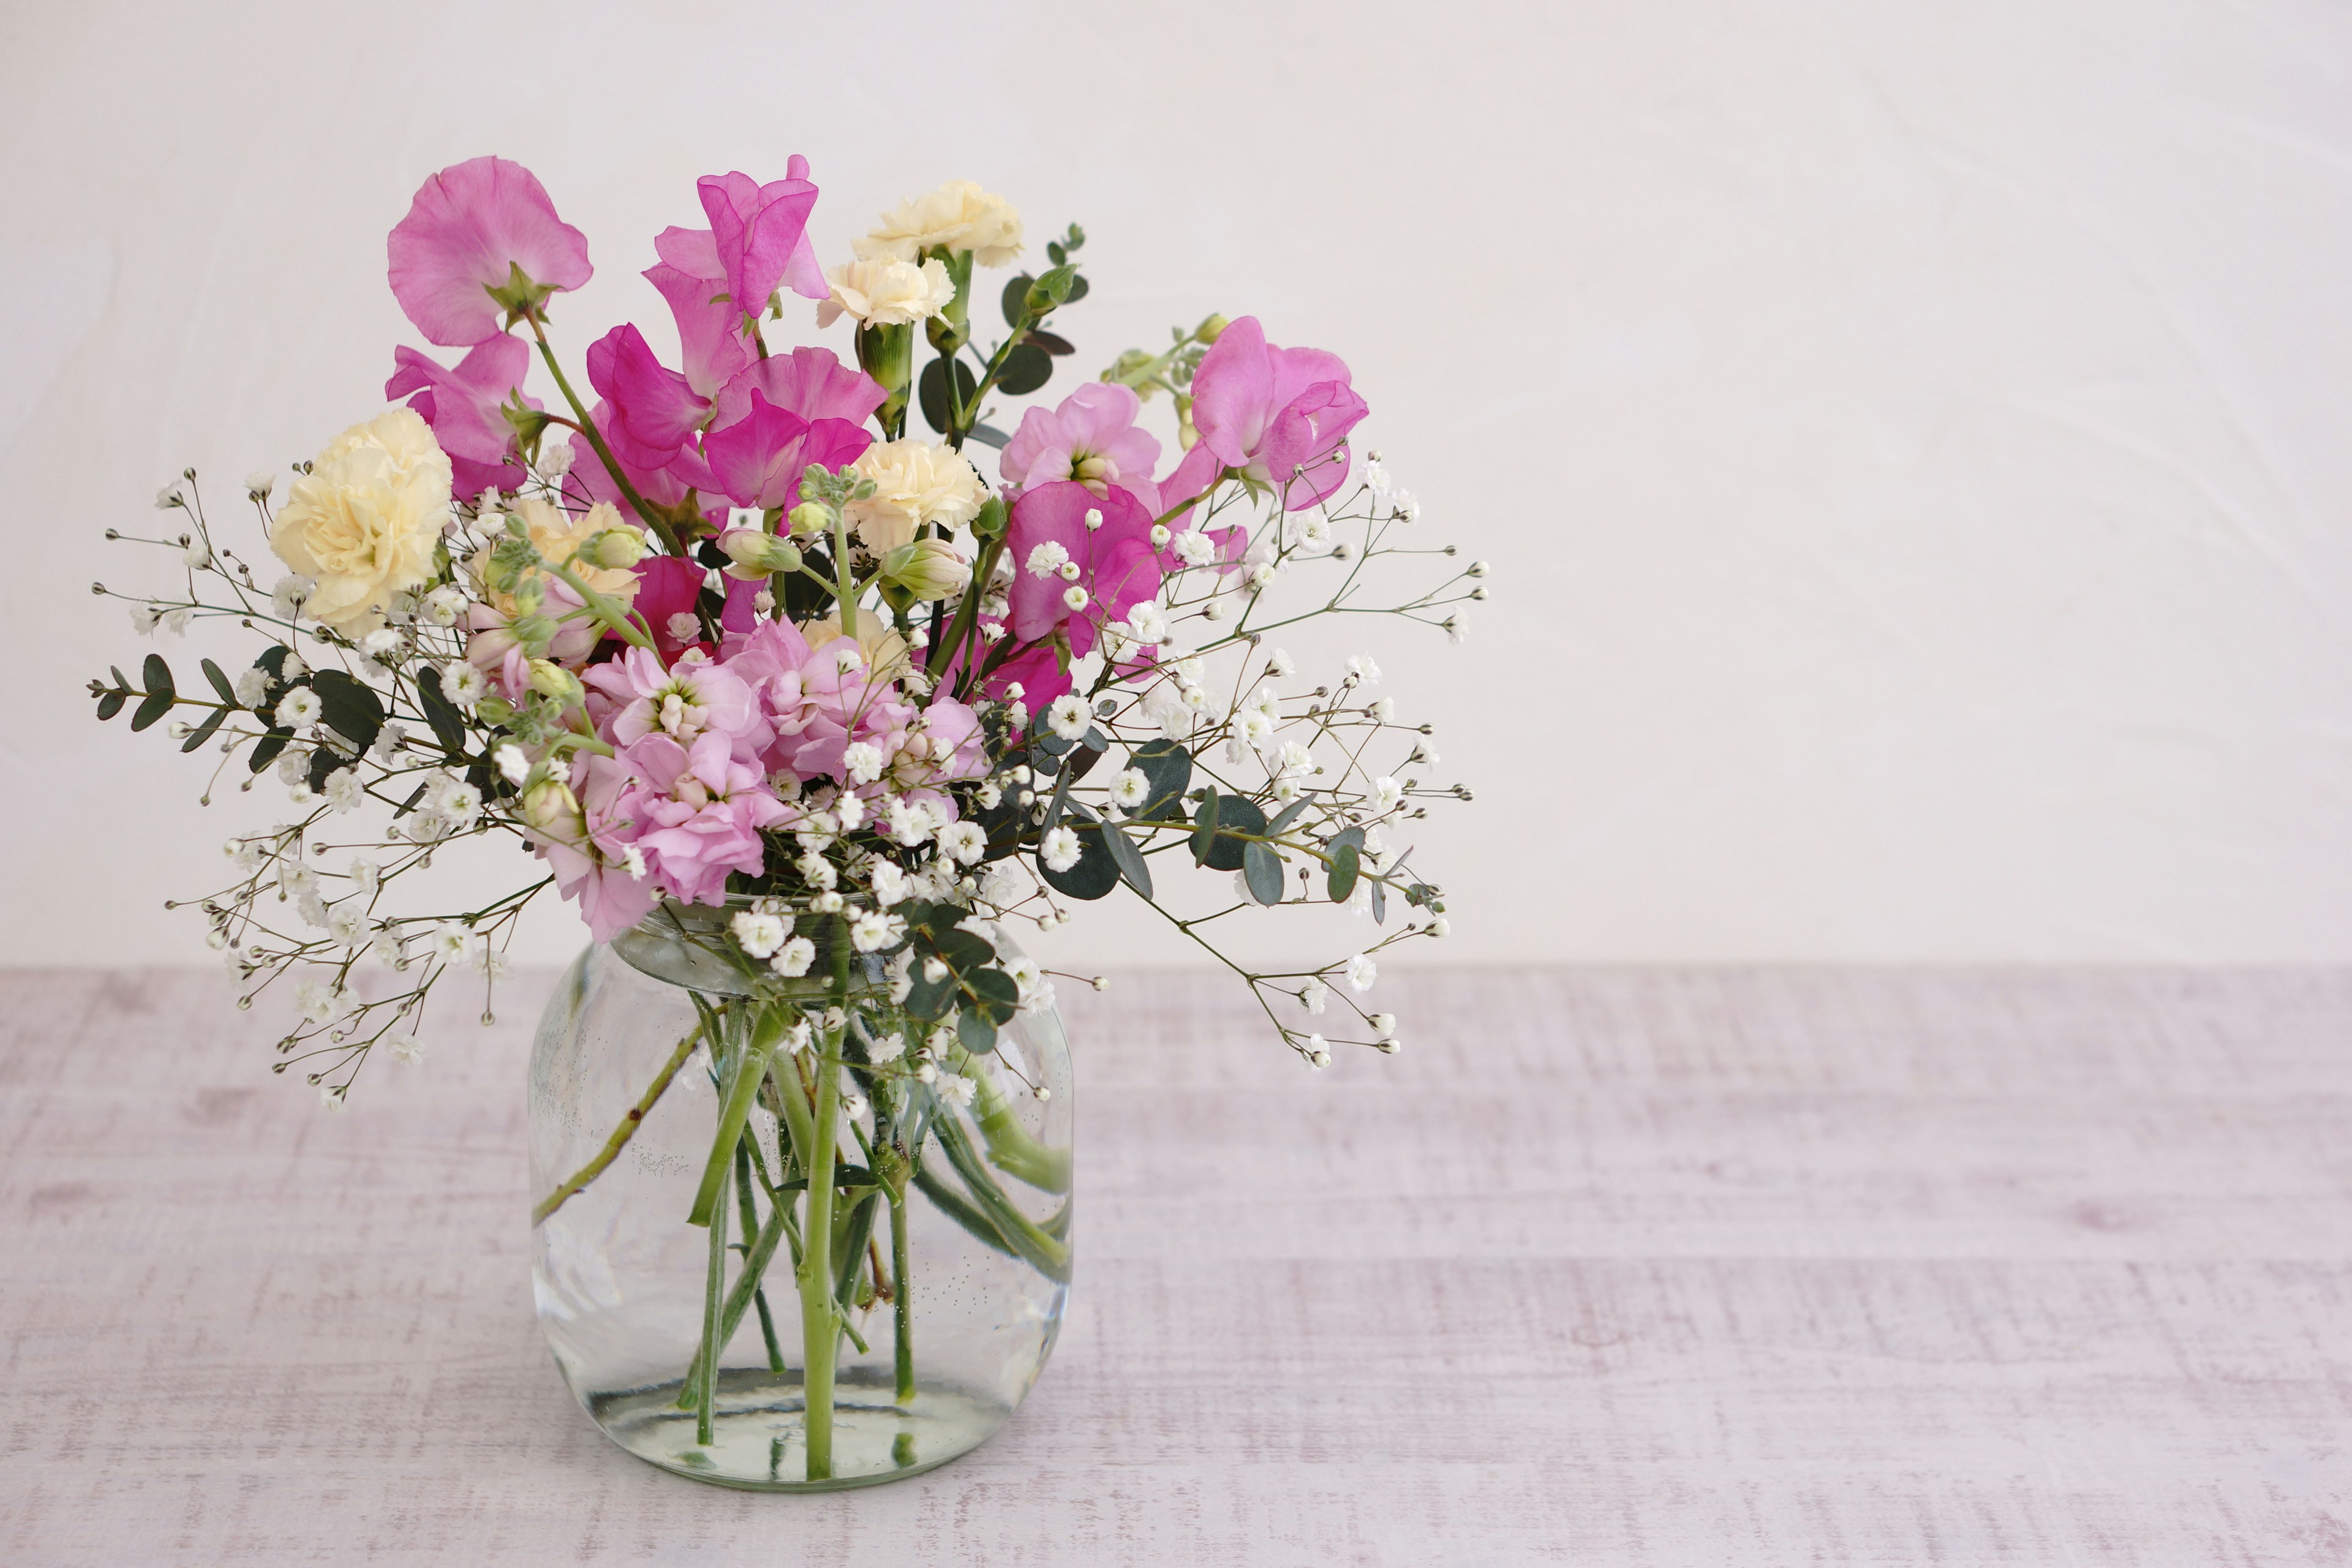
758	460
710	329
589	482
809	382
655	412
758	238
1117	566
470	225
704	810
1091	437
1281	415
464	407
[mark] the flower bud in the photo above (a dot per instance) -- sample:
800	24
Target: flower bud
551	808
1211	330
756	553
552	680
616	549
809	518
534	631
929	569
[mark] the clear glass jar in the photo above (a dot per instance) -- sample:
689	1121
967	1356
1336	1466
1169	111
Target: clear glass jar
949	1234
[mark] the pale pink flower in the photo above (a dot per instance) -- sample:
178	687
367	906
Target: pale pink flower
469	228
1091	437
1281	415
703	811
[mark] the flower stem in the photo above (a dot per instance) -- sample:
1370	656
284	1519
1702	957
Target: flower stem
623	1133
749	1214
704	1383
820	1319
902	1300
596	439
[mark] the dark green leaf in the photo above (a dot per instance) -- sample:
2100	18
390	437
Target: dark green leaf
156	677
324	761
448	727
220	683
157	705
996	993
1205	826
1169	766
929	998
964	950
109	705
989	435
272	661
120	679
1290	815
1095	874
1026	368
1262	869
1052	343
1380	903
1340	880
1077	288
974	1030
1016	289
204	731
1130	858
266	750
1054	249
931	391
351	709
1235	814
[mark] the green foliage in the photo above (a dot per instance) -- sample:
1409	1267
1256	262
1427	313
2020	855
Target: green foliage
1223	816
1026	368
1262	869
156	677
931	391
1095	873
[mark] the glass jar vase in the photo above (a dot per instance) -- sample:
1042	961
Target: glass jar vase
683	1107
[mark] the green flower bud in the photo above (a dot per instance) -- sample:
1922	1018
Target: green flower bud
809	518
616	548
1210	330
534	631
756	554
927	569
550	678
551	808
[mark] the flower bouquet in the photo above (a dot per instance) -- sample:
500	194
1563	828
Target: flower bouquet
805	717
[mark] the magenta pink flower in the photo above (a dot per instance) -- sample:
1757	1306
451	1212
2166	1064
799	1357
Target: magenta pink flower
1091	437
469	228
812	383
710	329
667	589
1116	566
655	412
758	460
1281	415
589	482
703	810
464	407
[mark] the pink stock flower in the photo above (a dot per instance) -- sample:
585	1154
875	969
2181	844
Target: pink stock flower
1116	566
655	412
703	811
462	405
469	228
596	870
1280	415
840	703
686	701
1091	437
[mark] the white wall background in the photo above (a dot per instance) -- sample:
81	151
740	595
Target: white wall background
1912	439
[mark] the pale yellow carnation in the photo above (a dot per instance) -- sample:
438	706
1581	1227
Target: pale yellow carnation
365	520
558	535
959	215
915	482
886	656
885	293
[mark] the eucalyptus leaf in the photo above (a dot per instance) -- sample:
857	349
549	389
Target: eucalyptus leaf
1095	873
1130	858
1340	880
220	683
1262	869
931	391
204	731
1235	814
109	705
448	726
1026	369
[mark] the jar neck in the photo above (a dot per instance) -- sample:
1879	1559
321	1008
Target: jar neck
690	946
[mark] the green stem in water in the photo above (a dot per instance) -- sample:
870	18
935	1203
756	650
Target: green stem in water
820	1319
623	1133
742	1088
703	1376
750	1213
902	1300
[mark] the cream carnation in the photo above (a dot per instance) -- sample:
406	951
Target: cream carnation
959	215
915	482
558	535
884	291
365	520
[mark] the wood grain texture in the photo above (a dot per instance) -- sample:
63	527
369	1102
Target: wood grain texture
1666	1267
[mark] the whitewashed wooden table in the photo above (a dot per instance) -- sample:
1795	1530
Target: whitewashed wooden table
1733	1268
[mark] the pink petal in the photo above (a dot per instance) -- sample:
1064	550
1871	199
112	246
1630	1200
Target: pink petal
757	228
655	412
469	225
810	381
708	330
1232	393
